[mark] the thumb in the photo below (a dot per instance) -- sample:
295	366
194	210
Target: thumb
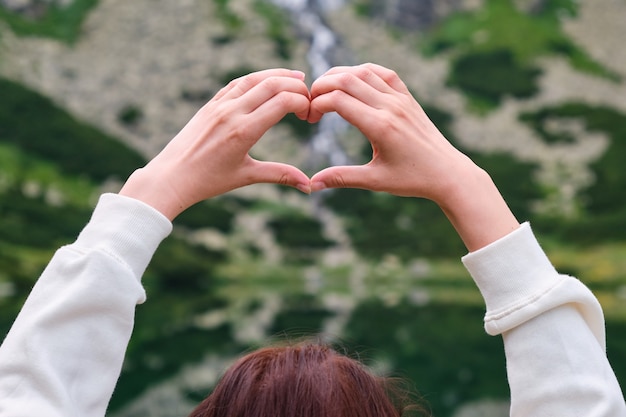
279	173
353	176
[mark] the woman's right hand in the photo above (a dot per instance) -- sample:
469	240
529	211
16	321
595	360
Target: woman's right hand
210	154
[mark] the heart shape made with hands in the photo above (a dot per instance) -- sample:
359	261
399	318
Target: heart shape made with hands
376	101
406	146
370	97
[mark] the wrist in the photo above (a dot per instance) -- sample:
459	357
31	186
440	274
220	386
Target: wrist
144	186
477	210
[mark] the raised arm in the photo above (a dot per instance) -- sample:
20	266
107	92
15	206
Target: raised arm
64	353
552	326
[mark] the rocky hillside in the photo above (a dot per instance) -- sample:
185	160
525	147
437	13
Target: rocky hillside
533	90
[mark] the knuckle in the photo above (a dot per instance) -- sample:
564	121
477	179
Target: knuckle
364	73
284	179
270	84
240	132
341	182
283	100
385	125
345	79
390	76
338	181
245	82
337	97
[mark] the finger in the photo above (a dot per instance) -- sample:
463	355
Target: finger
362	82
270	112
277	173
389	76
241	85
352	80
268	89
353	176
338	83
353	110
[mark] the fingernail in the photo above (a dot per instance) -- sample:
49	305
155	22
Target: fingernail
318	186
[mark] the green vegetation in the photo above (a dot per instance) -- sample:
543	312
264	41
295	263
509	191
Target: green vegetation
381	224
152	361
299	235
447	367
51	166
487	77
499	35
214	213
604	209
301	316
58	22
503	168
38	127
27	221
40	177
278	27
232	22
301	130
130	115
235	73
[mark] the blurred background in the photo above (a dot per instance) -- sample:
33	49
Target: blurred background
533	90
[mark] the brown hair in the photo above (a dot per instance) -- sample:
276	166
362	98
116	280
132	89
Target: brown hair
303	380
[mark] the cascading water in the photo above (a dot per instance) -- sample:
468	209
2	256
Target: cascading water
324	53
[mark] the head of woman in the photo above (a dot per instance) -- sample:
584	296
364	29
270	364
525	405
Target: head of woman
303	380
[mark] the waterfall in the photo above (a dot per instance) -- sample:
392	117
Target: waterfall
324	53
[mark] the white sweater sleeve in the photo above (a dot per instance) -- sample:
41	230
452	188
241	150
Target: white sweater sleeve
553	331
63	355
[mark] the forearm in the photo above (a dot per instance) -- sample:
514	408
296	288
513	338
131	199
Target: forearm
64	352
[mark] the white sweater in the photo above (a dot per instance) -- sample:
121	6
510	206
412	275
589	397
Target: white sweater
64	352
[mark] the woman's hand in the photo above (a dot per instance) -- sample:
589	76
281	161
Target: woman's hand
210	154
410	156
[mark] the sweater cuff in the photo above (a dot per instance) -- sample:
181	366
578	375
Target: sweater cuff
511	272
127	229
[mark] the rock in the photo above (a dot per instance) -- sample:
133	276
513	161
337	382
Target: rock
416	15
33	9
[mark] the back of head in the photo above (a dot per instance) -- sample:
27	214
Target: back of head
305	380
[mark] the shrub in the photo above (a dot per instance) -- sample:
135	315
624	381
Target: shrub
604	202
130	115
214	213
57	21
490	76
300	236
33	223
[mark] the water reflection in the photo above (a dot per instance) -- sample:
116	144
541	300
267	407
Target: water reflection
396	317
